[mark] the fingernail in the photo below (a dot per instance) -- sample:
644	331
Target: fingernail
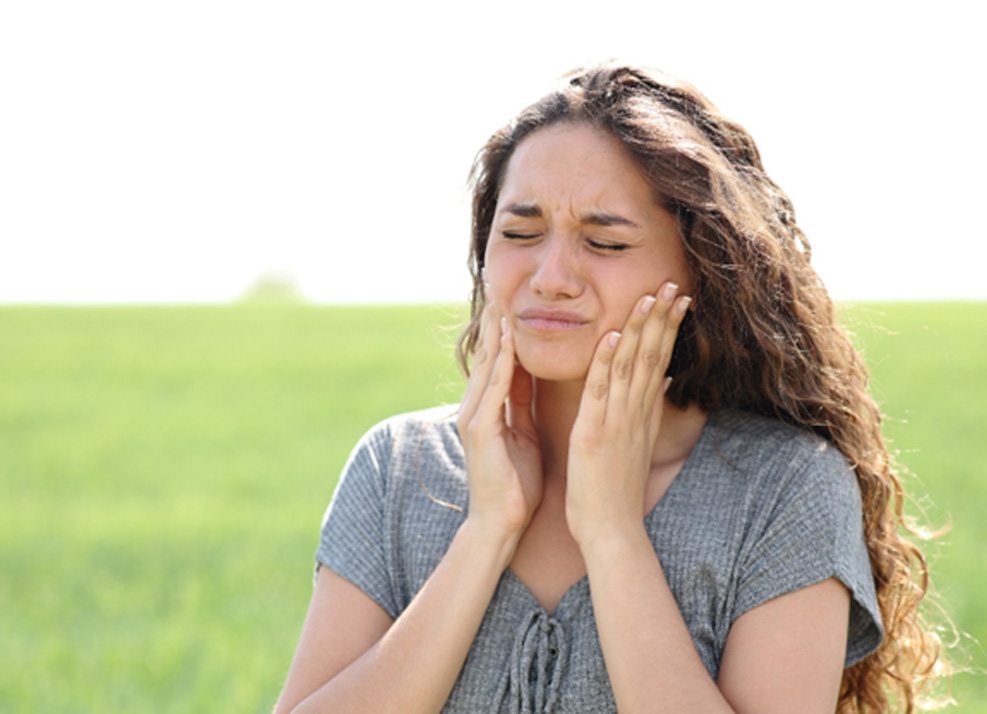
668	383
503	325
668	291
683	304
612	339
647	304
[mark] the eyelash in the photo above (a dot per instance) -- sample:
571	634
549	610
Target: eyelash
596	245
612	247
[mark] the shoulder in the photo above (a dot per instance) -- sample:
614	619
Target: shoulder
765	438
771	455
433	428
767	473
411	445
434	422
801	518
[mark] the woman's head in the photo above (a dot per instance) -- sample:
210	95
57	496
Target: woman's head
577	240
747	258
762	335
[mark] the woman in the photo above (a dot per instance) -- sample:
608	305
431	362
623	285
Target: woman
647	339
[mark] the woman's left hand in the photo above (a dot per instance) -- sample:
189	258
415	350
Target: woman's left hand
612	439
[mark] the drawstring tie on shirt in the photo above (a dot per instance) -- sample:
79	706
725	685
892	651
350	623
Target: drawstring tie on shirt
531	683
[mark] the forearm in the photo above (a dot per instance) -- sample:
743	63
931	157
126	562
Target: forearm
650	657
414	666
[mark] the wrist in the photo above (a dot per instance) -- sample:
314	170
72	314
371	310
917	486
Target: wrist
605	542
488	542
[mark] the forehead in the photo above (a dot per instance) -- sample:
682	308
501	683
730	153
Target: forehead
575	164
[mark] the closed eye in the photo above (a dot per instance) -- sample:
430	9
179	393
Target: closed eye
615	247
594	244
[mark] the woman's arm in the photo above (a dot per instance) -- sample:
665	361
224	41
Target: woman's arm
790	649
342	623
786	653
351	658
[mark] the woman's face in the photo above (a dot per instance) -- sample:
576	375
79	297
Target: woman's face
577	239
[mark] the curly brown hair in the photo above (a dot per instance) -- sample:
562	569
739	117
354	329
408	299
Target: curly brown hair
763	336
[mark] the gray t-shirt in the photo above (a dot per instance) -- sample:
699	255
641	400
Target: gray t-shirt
758	510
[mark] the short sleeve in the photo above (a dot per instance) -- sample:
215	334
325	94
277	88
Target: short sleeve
353	542
811	529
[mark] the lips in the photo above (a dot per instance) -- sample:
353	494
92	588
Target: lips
551	320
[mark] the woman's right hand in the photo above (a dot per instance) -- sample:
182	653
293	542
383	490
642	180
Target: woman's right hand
344	660
503	456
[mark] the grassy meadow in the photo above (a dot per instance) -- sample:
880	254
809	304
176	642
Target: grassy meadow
163	473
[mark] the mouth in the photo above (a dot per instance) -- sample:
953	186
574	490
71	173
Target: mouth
551	320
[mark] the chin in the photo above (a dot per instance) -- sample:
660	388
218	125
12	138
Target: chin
550	365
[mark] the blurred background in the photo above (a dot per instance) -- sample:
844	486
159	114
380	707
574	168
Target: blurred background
233	237
177	152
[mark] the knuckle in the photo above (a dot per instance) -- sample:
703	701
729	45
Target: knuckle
622	368
598	389
662	308
480	356
650	358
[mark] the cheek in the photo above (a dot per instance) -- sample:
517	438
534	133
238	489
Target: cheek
660	267
626	289
500	276
620	310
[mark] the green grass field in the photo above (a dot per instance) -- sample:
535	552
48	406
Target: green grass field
163	473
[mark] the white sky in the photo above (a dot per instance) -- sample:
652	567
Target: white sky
175	151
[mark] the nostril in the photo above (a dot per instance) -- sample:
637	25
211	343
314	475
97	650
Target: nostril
554	276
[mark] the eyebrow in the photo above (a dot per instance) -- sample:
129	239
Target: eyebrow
530	210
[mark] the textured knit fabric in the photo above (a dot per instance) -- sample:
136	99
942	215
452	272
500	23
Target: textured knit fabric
758	510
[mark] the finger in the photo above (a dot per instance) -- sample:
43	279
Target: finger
483	358
486	345
490	410
520	400
674	310
657	407
593	403
480	360
652	357
622	368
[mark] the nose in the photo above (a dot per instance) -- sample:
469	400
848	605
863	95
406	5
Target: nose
556	273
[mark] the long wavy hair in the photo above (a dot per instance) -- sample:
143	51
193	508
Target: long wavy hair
762	337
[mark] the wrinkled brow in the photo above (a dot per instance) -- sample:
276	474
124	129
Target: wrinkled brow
523	210
530	210
607	219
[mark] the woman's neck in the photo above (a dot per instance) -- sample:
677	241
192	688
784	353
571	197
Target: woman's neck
556	405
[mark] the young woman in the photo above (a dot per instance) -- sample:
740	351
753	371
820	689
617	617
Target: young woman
665	488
